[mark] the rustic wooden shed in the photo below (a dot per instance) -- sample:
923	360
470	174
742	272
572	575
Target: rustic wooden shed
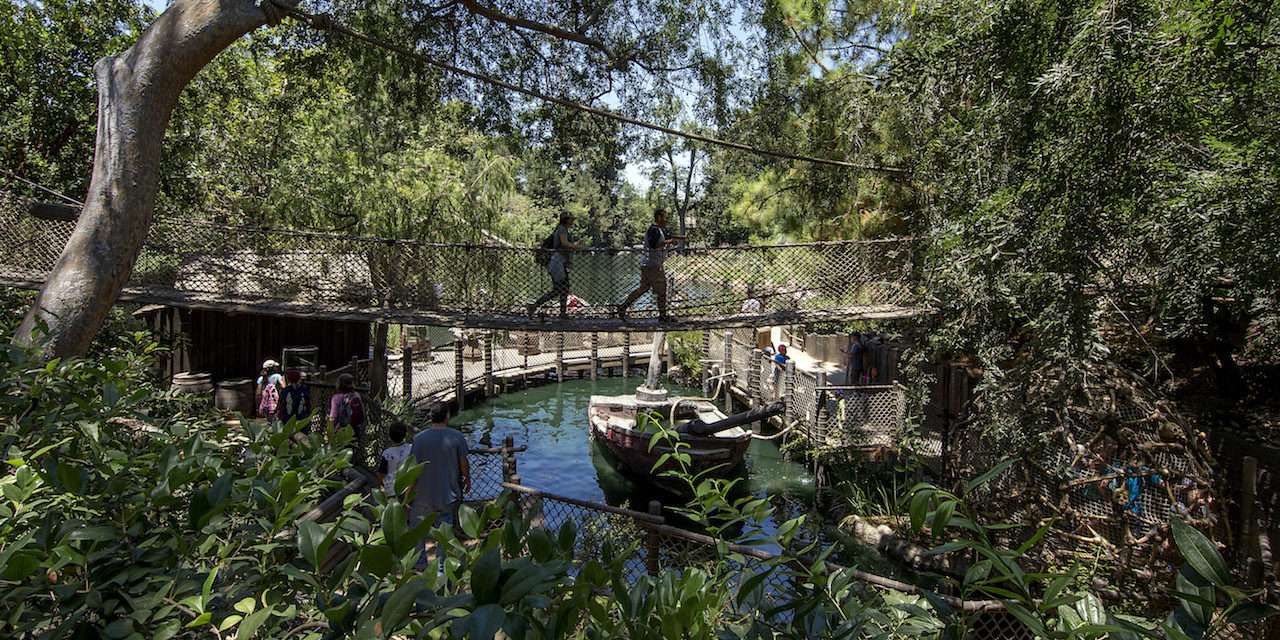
232	344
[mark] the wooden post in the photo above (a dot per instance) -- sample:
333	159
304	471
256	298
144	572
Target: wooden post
626	354
459	382
559	356
595	353
788	391
726	369
508	458
406	373
815	426
753	377
653	543
489	339
669	354
1250	549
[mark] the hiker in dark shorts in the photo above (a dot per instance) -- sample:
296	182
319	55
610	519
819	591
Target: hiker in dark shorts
558	266
653	277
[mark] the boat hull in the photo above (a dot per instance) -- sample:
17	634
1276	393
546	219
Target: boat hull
718	455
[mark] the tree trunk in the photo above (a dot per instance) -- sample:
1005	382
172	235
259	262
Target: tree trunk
137	92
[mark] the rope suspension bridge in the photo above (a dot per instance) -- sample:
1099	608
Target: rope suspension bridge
195	264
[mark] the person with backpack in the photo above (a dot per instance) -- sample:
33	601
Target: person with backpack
553	255
269	390
346	411
295	400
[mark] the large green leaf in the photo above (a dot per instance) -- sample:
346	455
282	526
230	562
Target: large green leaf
394	523
1195	596
990	474
1200	553
396	611
484	622
310	538
376	559
249	626
484	576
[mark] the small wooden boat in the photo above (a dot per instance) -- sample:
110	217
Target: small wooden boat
717	443
613	422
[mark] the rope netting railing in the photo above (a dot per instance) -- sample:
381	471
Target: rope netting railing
196	263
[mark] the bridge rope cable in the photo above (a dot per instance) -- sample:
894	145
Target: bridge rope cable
56	194
326	22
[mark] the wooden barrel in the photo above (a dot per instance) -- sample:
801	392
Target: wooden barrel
235	395
193	383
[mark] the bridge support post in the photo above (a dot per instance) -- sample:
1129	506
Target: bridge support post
595	353
559	356
706	360
653	543
726	369
753	377
508	459
817	430
489	339
626	354
406	372
788	391
459	382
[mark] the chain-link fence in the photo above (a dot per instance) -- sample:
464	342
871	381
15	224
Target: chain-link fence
292	271
657	548
830	417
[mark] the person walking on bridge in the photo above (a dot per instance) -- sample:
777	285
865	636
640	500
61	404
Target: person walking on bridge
557	247
653	276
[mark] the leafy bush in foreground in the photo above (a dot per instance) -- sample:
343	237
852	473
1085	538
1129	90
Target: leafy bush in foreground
127	512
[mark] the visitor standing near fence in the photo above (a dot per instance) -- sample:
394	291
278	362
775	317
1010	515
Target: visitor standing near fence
446	476
853	359
346	411
653	274
554	256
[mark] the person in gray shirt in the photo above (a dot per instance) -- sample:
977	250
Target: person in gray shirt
653	277
446	476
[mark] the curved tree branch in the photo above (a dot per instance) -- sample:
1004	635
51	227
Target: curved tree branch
805	45
492	13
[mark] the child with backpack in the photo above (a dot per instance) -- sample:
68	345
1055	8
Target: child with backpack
269	390
346	411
